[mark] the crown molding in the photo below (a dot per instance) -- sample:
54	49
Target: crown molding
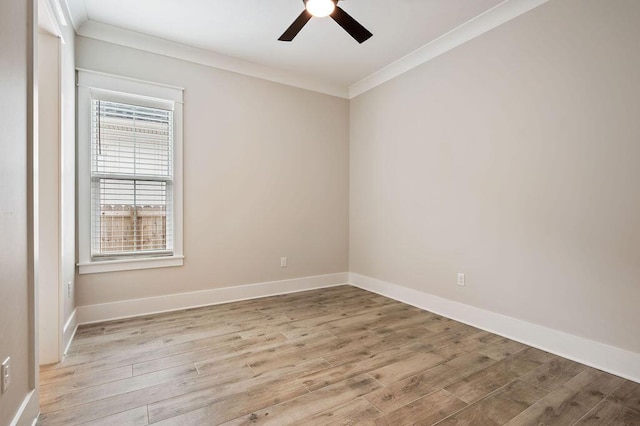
494	17
52	18
57	7
76	11
115	35
471	29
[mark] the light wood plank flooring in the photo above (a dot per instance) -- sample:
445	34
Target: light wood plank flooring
338	356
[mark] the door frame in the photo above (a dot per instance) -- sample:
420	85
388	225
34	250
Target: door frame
50	21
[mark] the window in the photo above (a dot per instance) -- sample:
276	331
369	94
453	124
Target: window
131	180
130	193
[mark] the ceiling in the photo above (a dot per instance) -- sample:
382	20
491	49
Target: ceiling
247	31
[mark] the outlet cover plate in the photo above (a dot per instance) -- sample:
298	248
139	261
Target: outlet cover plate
5	378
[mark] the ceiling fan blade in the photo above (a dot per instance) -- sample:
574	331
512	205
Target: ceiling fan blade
297	25
350	25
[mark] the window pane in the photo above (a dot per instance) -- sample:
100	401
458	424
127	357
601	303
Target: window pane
130	216
132	173
131	140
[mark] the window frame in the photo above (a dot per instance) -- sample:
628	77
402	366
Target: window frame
96	85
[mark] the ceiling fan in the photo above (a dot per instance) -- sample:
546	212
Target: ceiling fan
320	9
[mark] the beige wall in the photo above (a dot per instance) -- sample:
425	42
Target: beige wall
14	287
514	159
266	176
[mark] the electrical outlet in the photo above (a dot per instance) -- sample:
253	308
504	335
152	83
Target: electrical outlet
283	262
6	374
69	290
461	281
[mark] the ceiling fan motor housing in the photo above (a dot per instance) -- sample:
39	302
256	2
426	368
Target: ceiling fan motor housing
350	25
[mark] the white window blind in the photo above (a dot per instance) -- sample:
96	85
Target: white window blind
131	180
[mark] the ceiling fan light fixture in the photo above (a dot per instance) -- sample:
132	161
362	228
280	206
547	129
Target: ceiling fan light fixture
320	8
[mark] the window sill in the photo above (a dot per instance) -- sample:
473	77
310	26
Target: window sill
129	264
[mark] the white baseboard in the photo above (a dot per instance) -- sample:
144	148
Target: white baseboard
604	357
173	302
69	330
29	410
608	358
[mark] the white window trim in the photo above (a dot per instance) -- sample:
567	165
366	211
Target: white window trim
124	89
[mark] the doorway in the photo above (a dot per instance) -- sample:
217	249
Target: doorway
50	297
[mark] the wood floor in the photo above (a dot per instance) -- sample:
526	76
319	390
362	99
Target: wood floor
324	357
